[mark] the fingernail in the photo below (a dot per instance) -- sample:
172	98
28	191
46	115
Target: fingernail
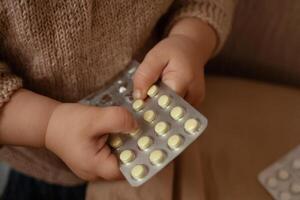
135	126
137	94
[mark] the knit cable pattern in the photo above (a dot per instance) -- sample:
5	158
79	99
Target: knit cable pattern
215	12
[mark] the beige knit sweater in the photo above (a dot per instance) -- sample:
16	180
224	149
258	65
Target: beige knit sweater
67	49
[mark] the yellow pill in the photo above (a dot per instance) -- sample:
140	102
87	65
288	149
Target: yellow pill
127	156
164	101
191	125
177	112
272	182
296	164
145	142
283	174
285	196
153	90
175	141
115	141
138	105
161	128
139	171
157	157
135	132
149	116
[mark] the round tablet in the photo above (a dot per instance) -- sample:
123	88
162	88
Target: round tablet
295	188
153	90
149	116
272	182
283	174
175	141
177	112
191	125
139	171
157	157
127	156
115	141
161	128
144	142
135	132
296	164
138	105
285	196
164	101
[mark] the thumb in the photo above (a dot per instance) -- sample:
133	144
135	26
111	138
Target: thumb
115	119
148	73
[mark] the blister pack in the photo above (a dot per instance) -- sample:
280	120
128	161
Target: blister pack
167	125
282	179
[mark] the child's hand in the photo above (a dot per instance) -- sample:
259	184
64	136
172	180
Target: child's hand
78	135
179	60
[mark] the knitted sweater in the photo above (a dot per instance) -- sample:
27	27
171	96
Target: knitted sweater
68	49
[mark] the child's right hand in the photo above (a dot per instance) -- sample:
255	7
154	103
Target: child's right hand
78	135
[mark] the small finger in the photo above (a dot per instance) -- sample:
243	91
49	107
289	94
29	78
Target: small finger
178	76
196	93
194	100
148	73
107	165
176	83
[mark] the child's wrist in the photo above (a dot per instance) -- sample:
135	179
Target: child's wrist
52	110
24	119
198	31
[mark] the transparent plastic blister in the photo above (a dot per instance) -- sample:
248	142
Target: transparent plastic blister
282	178
167	125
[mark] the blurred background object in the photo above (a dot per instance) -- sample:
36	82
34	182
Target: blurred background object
253	104
264	43
251	123
4	169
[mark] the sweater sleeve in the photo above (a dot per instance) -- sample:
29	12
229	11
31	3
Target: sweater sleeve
217	13
9	83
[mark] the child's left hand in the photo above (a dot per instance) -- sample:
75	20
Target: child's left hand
179	61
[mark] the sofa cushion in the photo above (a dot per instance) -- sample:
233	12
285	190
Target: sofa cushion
250	125
264	42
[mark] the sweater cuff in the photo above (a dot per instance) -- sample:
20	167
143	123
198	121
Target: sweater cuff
211	12
9	83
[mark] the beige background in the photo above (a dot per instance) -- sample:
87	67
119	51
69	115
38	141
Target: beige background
264	42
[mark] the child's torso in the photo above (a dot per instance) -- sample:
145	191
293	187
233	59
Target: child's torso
67	49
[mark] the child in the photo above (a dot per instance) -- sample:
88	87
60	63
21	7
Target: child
54	53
